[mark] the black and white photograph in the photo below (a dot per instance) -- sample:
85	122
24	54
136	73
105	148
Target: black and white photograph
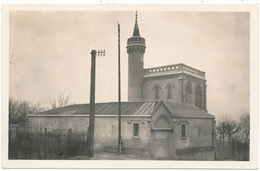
130	83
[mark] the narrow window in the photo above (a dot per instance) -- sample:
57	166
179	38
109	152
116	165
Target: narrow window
198	99
169	89
188	87
183	130
199	131
157	92
188	90
136	129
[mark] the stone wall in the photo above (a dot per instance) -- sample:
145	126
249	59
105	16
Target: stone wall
163	81
199	141
149	91
190	98
198	133
197	144
206	153
106	131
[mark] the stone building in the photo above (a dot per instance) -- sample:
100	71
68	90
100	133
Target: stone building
177	83
165	116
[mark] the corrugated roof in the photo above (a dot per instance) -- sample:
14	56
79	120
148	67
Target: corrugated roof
186	110
131	108
127	108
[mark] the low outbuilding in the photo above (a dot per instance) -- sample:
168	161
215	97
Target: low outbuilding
158	129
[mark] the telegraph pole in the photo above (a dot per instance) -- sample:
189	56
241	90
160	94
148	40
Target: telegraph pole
119	97
90	141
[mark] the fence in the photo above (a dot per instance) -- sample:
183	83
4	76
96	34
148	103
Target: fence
232	151
28	143
224	151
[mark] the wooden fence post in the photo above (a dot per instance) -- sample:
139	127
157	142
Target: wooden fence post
45	143
16	142
48	145
69	141
9	142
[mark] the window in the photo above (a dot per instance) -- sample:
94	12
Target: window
188	90
199	131
136	129
157	92
188	87
183	130
169	88
169	91
198	98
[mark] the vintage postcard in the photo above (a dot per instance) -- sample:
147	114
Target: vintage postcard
130	86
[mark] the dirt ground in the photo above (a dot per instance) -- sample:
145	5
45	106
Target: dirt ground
108	156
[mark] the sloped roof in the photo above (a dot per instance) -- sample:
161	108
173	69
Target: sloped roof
183	110
127	108
180	110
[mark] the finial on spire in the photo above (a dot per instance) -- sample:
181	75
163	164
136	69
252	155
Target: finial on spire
136	29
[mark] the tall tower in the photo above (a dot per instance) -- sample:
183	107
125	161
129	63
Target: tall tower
135	49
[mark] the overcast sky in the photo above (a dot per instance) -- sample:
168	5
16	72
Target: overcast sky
50	53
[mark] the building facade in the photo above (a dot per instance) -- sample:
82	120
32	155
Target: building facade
177	83
165	117
157	129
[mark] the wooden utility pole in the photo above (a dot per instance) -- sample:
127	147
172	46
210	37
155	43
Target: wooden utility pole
90	141
119	96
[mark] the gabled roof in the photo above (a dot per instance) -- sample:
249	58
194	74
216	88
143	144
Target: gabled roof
179	110
183	110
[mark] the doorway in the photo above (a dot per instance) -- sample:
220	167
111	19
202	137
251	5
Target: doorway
161	142
162	132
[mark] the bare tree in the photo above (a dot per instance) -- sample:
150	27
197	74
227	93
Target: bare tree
245	129
226	128
241	139
231	129
18	110
220	128
245	125
60	100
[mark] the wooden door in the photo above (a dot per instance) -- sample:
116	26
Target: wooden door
161	144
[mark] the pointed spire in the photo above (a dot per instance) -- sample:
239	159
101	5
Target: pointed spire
136	29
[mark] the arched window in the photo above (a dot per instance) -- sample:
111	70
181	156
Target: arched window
169	88
157	91
188	87
169	92
198	96
188	90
